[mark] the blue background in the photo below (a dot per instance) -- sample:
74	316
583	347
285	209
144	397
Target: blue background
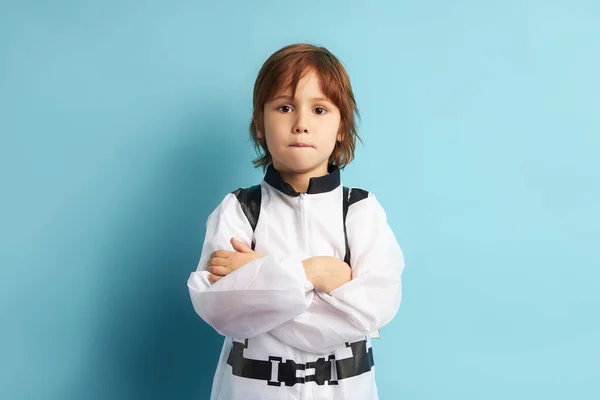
124	123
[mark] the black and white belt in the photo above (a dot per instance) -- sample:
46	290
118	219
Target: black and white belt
275	371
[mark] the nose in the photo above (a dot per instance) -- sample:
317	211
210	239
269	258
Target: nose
299	129
300	125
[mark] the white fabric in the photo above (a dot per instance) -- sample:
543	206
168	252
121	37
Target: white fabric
270	301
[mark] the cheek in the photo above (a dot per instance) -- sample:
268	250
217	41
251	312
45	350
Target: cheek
333	127
277	122
273	132
270	121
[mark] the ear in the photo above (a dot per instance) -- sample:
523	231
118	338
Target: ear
340	137
259	134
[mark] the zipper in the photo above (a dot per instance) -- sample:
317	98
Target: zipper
304	393
303	217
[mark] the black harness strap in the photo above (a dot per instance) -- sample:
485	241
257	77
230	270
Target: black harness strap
250	199
346	205
360	363
254	369
351	197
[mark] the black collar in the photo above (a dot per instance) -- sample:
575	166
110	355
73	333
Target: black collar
321	184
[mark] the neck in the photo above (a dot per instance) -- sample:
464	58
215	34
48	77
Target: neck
300	180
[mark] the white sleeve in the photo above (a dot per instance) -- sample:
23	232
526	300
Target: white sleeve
255	298
364	304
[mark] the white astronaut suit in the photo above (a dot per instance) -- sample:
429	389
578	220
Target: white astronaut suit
284	340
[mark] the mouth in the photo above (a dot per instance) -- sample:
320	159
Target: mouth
300	145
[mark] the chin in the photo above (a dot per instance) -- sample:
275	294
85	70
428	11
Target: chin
302	166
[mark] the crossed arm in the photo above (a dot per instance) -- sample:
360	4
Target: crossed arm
274	293
324	272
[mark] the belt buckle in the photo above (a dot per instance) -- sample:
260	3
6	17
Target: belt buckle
285	372
323	371
274	367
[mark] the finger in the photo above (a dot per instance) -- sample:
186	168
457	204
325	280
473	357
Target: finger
220	271
221	253
240	247
218	261
213	278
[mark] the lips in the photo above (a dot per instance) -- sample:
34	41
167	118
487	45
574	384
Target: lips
300	145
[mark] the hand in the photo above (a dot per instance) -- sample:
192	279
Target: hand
223	262
327	273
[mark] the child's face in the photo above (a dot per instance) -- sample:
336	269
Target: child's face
309	119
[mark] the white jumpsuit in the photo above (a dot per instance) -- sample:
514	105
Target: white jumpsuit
283	339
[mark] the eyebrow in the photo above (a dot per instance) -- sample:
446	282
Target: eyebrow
288	97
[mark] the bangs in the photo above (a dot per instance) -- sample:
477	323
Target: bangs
288	73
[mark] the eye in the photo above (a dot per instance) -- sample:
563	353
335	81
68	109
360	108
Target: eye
285	109
320	110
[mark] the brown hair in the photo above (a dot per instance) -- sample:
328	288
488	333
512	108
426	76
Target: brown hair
285	68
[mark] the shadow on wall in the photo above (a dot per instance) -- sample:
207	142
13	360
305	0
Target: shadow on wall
149	343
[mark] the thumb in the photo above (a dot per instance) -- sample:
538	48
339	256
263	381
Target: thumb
240	246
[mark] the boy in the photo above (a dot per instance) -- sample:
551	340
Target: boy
298	271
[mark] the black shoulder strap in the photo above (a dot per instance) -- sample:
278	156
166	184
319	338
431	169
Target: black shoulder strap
250	199
351	197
